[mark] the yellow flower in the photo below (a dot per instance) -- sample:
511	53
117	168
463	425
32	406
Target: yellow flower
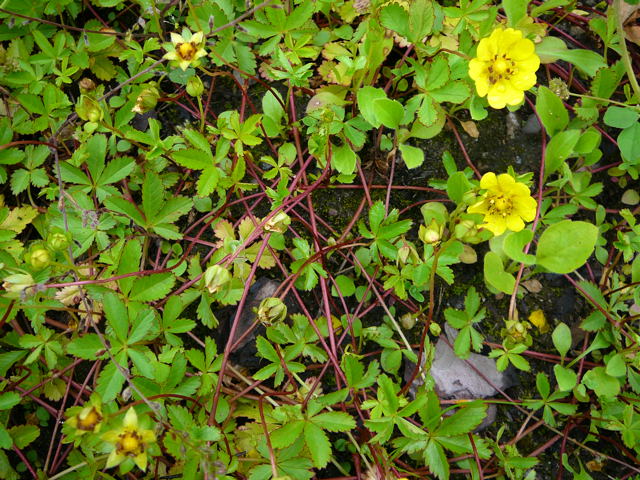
538	319
505	67
506	204
88	419
130	441
186	49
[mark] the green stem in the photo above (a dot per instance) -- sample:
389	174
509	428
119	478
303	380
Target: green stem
626	58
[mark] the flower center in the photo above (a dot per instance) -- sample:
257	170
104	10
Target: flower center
500	205
130	443
90	420
501	68
186	51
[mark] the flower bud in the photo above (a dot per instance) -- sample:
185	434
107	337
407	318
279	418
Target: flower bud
195	87
147	99
432	234
86	85
88	109
271	310
435	329
404	251
278	223
16	284
58	239
38	256
216	278
408	321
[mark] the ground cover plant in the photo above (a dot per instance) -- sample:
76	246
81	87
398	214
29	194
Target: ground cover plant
237	236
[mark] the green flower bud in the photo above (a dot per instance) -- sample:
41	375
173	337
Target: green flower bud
432	234
88	109
147	99
195	87
271	310
58	239
278	223
216	278
516	332
408	321
16	284
435	329
38	256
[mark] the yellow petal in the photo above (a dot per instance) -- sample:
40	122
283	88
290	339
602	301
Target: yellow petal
495	224
487	49
526	208
170	56
489	181
523	80
197	38
130	419
477	69
538	319
114	459
522	49
514	223
480	207
508	39
506	182
176	38
530	64
141	460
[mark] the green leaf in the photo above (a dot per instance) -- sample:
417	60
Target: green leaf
629	143
566	246
23	435
457	186
287	434
192	159
464	420
436	460
565	377
513	246
620	117
516	10
560	148
318	444
552	49
208	181
562	339
495	275
335	421
553	114
601	383
152	196
345	286
453	92
366	98
616	367
395	18
117	315
344	159
198	140
86	346
9	400
388	112
152	287
110	383
413	157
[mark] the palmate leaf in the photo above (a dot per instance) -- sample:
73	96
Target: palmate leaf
318	444
335	421
465	420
